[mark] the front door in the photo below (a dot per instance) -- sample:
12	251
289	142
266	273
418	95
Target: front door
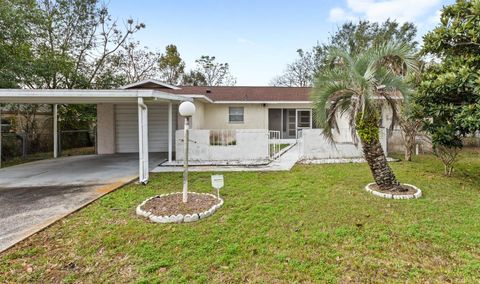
303	119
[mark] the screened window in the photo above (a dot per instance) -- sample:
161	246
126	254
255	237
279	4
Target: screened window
235	114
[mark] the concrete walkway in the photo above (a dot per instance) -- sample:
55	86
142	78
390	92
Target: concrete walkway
283	163
37	194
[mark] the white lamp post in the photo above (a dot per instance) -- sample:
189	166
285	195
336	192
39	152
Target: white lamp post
186	109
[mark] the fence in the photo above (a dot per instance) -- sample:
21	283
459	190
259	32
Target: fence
225	145
40	146
274	144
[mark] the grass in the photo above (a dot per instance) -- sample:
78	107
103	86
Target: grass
313	224
48	155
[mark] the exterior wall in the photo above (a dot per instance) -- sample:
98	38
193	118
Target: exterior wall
216	117
198	119
251	145
105	129
313	145
44	122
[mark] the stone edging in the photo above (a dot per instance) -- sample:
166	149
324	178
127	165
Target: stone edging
180	218
418	194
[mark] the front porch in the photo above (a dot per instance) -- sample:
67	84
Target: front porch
289	121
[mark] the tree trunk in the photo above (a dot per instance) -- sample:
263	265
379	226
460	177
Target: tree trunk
408	153
381	171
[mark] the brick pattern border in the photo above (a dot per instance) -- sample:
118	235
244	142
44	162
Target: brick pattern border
180	218
416	195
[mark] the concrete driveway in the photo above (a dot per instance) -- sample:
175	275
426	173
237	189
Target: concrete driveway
34	195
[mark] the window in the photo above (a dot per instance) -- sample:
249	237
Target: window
235	114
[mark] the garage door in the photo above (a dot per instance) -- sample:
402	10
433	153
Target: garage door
127	128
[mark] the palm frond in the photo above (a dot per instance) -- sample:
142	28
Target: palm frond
393	53
353	84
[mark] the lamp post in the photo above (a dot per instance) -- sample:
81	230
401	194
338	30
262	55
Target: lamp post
186	109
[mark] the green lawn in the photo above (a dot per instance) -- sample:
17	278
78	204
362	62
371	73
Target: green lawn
313	224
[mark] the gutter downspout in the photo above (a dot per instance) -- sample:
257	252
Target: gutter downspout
143	141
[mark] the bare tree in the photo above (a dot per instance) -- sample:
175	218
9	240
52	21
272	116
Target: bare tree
300	73
212	72
410	130
73	42
133	63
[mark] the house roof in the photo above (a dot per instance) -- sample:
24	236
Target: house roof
149	84
248	93
237	93
58	96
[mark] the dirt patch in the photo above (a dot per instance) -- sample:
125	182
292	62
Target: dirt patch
173	205
405	190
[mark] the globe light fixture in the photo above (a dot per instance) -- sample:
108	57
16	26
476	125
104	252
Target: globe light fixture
187	110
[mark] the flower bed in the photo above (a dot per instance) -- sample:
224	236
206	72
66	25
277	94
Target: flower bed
169	208
413	193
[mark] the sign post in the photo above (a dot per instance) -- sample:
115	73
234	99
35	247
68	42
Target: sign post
217	183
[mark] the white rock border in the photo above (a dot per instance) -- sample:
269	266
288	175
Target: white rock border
416	195
187	218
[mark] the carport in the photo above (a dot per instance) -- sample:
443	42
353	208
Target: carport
117	111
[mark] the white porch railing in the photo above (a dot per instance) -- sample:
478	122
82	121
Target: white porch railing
274	144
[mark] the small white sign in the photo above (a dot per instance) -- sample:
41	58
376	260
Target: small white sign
217	181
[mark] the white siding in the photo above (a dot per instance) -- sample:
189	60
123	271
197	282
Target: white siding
158	128
126	125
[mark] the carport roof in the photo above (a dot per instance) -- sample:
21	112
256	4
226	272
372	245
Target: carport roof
64	96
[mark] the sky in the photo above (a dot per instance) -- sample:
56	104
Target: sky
259	38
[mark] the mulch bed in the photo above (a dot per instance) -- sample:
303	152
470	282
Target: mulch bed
409	190
173	205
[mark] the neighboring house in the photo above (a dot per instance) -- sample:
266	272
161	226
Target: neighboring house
14	119
246	125
25	129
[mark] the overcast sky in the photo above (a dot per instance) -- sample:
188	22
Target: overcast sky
259	37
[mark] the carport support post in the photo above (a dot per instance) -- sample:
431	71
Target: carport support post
55	130
143	141
170	113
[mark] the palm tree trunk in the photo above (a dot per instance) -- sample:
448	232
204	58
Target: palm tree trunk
381	171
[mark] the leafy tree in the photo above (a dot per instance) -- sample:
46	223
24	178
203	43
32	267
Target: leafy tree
211	73
354	38
171	66
15	41
357	37
60	44
449	93
194	78
351	86
78	38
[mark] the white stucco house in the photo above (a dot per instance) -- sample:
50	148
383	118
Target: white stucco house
231	124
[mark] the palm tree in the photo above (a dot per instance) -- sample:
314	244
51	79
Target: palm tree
356	86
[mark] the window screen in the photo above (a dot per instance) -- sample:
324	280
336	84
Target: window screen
235	114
